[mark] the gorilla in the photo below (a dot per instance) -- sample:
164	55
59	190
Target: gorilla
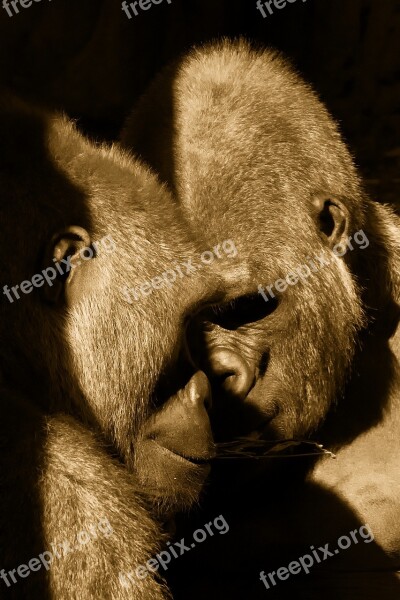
103	416
250	153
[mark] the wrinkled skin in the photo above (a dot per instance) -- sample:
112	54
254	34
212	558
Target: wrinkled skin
251	154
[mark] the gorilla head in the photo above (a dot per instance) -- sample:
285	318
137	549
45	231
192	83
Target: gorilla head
70	340
257	158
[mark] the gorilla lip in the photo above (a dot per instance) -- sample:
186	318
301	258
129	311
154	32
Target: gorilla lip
182	426
195	460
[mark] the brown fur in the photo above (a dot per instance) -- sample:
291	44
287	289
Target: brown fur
247	147
80	372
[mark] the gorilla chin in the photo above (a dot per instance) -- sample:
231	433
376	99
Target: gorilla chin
175	446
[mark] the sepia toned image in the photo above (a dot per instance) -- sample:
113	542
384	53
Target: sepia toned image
200	299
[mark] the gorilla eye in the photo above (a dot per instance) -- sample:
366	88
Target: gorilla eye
243	310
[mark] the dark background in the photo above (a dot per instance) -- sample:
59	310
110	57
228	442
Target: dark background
87	58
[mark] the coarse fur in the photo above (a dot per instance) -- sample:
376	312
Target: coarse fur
88	423
250	153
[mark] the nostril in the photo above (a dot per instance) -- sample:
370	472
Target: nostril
235	375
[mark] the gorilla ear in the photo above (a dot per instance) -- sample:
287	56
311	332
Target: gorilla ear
332	217
62	260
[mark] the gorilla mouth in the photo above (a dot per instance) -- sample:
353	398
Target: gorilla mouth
202	460
235	420
181	429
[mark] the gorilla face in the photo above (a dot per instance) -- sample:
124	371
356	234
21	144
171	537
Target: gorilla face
254	156
74	342
278	359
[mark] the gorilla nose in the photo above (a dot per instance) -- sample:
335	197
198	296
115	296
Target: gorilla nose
230	367
199	391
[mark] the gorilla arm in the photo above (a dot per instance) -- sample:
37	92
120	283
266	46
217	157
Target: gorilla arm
65	482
